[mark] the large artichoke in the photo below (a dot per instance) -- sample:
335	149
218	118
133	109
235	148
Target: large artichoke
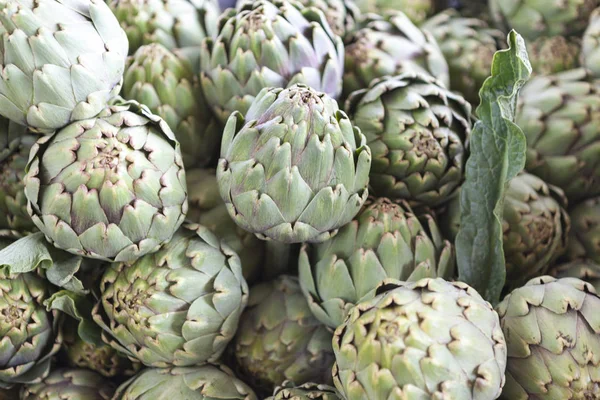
590	45
70	384
308	391
280	339
179	306
416	10
584	241
552	333
386	240
585	270
11	134
342	15
62	61
390	45
426	340
166	83
560	115
550	55
269	44
294	169
417	131
111	187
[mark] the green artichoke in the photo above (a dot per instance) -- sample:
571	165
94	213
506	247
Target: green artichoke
426	340
550	55
294	169
166	83
111	187
416	10
11	134
585	270
418	133
269	44
279	339
584	241
469	45
30	335
559	115
70	384
205	382
172	23
308	391
390	45
552	331
62	61
386	240
590	45
342	15
179	306
208	209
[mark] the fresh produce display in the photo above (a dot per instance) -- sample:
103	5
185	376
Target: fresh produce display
299	199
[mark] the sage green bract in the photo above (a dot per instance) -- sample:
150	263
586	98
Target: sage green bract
586	270
179	306
295	169
431	339
279	339
584	240
265	44
550	55
590	45
308	391
62	61
11	134
416	10
342	15
385	241
552	330
70	384
111	187
417	131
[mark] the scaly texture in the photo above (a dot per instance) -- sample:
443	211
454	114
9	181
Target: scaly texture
584	241
342	15
179	306
416	10
70	384
111	187
386	240
265	44
11	134
426	340
585	270
552	330
550	55
279	338
308	391
294	169
62	61
417	131
590	45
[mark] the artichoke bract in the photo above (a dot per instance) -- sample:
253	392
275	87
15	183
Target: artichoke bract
584	240
386	240
294	169
179	306
279	338
62	61
590	45
550	55
552	330
390	45
265	44
416	10
308	391
111	187
430	339
586	270
207	382
418	133
70	384
11	134
342	15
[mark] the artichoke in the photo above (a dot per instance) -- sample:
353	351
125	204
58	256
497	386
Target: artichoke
390	45
70	384
111	187
11	134
418	133
62	61
584	241
172	23
179	306
30	335
269	44
386	240
166	83
416	10
550	55
280	339
308	391
559	115
469	45
552	333
590	45
426	340
205	382
342	15
585	270
294	169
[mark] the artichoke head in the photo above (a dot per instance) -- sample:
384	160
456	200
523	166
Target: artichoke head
584	240
308	391
70	384
416	10
590	45
550	55
342	15
586	270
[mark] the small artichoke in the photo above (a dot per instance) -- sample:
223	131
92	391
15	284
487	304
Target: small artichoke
294	169
70	384
559	115
426	340
342	15
550	55
111	187
590	45
308	391
584	241
11	134
165	82
585	270
263	44
417	131
386	240
280	339
62	61
416	10
552	333
390	45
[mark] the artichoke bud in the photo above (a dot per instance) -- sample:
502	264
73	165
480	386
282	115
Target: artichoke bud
70	384
590	45
586	270
549	55
416	10
584	239
307	391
